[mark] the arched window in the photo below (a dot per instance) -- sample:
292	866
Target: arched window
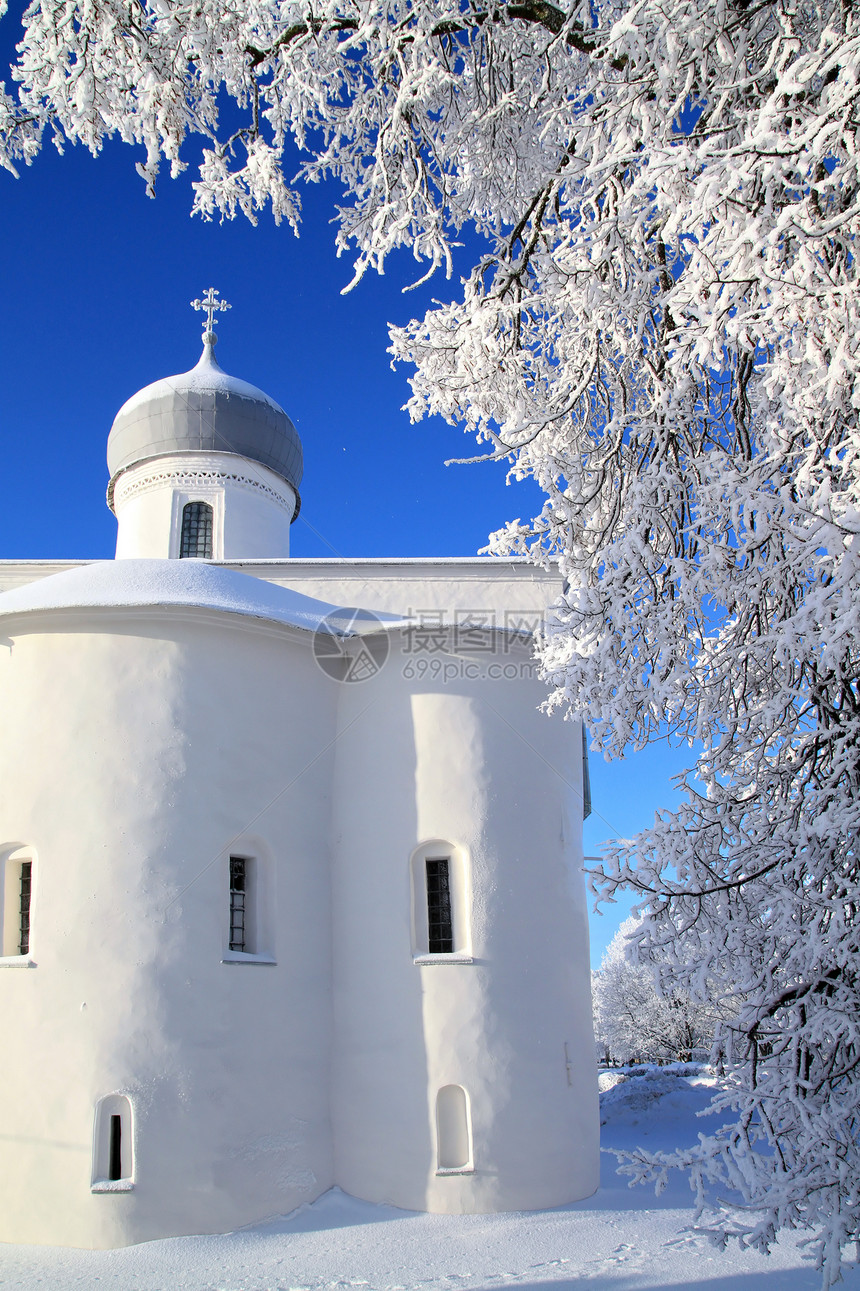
113	1145
251	919
16	893
196	536
243	905
440	915
453	1130
440	902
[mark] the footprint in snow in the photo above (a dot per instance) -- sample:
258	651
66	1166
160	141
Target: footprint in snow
622	1253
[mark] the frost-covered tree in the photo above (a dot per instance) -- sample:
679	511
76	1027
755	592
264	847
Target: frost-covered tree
637	1021
661	327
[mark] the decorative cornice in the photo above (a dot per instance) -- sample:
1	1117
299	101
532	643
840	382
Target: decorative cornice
132	483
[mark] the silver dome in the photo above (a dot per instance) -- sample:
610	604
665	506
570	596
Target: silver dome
205	410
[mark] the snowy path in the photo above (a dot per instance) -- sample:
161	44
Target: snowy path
620	1240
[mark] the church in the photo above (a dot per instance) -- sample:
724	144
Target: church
290	862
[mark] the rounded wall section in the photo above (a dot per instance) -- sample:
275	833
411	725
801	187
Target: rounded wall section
508	1019
140	751
252	507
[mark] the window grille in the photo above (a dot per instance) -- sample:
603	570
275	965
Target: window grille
238	903
196	537
24	907
439	922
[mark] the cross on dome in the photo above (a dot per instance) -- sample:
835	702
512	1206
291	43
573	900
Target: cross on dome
211	305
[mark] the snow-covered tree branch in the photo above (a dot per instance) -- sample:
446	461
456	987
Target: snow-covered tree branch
661	328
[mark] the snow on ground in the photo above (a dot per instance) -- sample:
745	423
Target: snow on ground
619	1239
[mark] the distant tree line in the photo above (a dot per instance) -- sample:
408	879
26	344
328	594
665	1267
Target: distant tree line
638	1020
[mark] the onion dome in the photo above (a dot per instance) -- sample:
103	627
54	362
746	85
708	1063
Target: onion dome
204	410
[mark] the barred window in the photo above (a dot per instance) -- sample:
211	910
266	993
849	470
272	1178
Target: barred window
16	900
248	882
440	926
239	904
24	889
440	884
196	537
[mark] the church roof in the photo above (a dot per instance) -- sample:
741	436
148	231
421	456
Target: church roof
148	583
205	410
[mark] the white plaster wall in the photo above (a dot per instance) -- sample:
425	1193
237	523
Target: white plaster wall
144	522
252	506
394	586
511	592
254	524
470	761
136	751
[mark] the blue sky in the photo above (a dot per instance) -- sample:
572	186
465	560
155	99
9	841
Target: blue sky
96	289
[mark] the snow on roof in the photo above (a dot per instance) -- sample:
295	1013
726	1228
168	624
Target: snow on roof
486	564
114	584
204	410
206	375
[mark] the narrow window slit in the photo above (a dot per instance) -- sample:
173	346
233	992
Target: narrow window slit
24	908
440	927
238	903
115	1162
113	1145
453	1129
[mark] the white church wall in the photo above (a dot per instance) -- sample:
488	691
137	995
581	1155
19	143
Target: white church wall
514	592
257	522
507	588
20	573
252	506
138	750
379	1102
471	763
511	790
145	521
234	992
